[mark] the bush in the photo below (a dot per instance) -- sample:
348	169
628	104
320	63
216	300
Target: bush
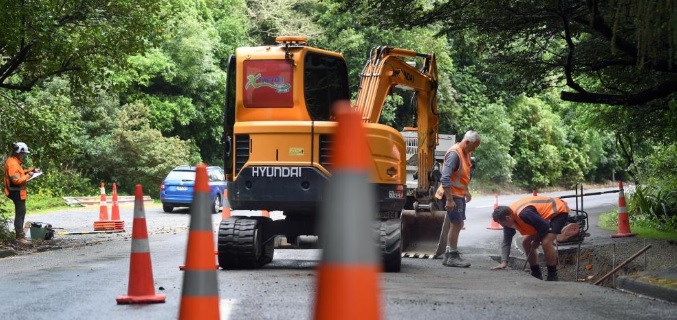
654	207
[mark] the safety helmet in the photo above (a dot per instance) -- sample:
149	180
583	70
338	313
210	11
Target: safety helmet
20	147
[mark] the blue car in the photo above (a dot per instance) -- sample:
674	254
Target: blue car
177	188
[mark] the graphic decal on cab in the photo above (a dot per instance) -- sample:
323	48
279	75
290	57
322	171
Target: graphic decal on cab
267	84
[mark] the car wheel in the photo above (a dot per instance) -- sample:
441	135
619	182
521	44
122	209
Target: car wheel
167	208
217	204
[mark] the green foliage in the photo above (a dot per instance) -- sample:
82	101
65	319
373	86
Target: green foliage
45	38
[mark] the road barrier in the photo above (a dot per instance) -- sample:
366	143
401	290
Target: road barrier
140	288
200	295
348	275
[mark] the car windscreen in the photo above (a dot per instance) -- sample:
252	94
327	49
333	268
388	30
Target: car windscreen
181	176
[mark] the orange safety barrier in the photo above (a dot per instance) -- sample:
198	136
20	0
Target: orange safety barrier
493	225
348	275
623	220
140	288
200	296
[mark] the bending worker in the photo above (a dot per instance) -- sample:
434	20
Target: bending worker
539	219
454	184
15	186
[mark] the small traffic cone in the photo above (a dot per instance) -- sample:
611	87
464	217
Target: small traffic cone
140	288
534	193
115	211
348	275
225	210
103	223
623	220
200	295
103	207
493	225
265	213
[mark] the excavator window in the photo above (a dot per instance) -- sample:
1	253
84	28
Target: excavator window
268	84
325	81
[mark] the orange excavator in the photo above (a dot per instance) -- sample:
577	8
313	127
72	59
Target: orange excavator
278	128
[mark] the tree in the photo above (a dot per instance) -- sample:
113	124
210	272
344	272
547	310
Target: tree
616	52
41	39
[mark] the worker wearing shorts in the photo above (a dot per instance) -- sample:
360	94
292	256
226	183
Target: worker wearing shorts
454	189
539	219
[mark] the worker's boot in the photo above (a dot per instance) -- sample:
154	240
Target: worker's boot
455	260
445	259
552	274
536	272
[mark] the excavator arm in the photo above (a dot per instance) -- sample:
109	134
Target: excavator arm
387	68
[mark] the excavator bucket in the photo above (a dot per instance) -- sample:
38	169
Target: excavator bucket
424	233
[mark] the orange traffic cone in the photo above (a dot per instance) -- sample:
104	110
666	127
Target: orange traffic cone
200	296
623	220
348	275
115	211
140	288
103	207
103	223
493	225
225	211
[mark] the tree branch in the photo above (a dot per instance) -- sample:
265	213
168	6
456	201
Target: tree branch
658	92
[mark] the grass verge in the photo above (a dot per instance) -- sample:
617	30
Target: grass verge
609	221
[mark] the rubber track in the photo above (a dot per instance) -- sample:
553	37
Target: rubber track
390	241
236	244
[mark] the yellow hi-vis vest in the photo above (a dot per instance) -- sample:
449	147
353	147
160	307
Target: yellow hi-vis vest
547	207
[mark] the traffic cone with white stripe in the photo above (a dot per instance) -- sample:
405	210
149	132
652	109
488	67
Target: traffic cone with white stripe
200	296
623	220
115	211
141	285
103	223
493	225
348	275
225	210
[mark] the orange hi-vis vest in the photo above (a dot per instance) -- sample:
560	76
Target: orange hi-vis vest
547	207
15	177
460	178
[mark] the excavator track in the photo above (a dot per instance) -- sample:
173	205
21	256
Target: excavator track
241	245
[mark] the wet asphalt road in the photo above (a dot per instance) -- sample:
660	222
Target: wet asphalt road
82	283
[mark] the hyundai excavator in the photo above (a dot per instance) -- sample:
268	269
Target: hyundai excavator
278	128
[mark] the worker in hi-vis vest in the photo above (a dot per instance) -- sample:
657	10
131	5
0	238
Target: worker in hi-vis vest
539	219
15	186
454	184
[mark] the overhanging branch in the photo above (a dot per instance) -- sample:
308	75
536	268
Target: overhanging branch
658	92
